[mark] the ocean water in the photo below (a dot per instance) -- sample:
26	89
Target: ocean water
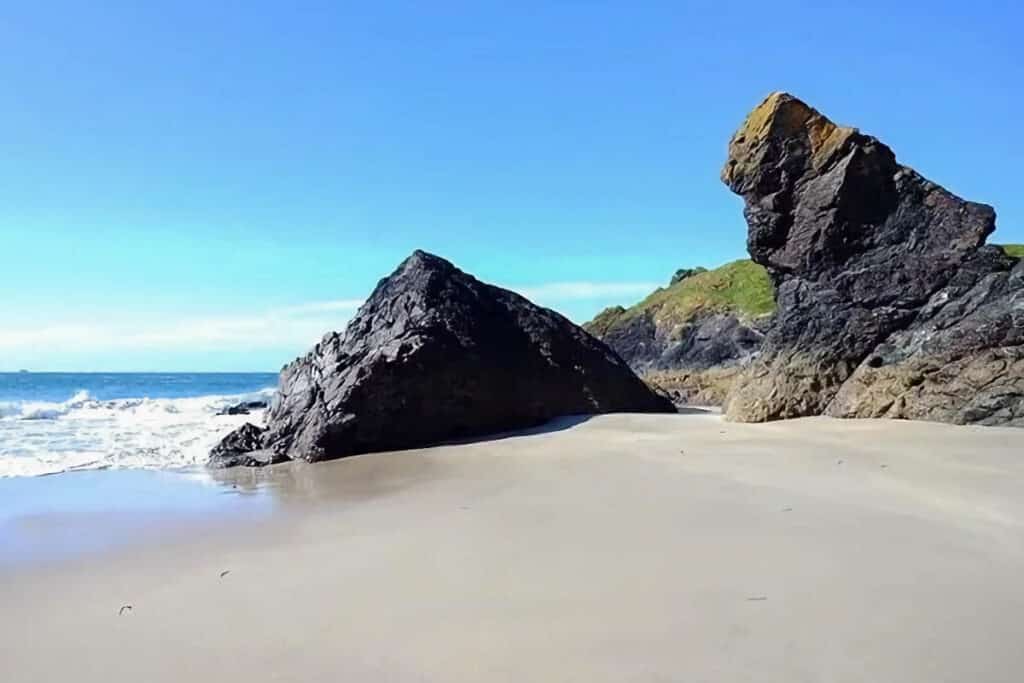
62	422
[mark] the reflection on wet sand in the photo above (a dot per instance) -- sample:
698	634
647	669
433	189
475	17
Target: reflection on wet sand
370	475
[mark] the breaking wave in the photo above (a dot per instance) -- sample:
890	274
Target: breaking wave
82	432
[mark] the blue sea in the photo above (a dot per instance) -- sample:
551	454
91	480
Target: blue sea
60	422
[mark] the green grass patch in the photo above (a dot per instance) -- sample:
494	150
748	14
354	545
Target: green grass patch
604	320
741	287
1014	249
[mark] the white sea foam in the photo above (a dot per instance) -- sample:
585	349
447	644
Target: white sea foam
85	433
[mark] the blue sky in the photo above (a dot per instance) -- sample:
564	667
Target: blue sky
209	186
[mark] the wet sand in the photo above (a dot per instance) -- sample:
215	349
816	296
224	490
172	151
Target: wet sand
621	548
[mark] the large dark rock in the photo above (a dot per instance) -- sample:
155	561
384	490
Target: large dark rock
889	302
962	360
434	355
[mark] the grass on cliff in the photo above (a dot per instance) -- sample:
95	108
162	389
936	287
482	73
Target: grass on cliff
741	287
1014	250
604	321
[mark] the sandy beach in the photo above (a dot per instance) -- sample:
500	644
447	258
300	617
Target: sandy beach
619	548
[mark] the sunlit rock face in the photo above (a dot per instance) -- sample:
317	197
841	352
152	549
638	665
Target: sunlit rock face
889	302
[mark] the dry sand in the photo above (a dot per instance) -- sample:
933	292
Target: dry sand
623	548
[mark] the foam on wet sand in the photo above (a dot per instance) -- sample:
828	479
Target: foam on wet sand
625	547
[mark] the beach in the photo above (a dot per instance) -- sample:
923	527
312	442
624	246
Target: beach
621	547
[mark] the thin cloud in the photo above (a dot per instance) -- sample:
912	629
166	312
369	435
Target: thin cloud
585	291
322	307
299	326
289	326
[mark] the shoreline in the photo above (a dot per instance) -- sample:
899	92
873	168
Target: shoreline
50	520
624	547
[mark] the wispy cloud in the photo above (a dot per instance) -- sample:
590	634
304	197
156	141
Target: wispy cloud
341	305
585	291
295	326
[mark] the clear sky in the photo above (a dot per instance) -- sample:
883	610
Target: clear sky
210	185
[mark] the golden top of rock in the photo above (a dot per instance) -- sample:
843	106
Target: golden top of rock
781	115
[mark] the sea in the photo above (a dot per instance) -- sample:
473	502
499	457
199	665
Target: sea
64	422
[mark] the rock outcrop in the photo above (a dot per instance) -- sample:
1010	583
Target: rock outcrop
243	447
435	355
889	301
691	337
243	407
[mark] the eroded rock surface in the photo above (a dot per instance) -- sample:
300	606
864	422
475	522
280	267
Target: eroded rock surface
243	447
692	337
708	340
889	301
433	355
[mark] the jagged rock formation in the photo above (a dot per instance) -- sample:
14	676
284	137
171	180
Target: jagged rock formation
889	301
692	337
243	447
435	355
